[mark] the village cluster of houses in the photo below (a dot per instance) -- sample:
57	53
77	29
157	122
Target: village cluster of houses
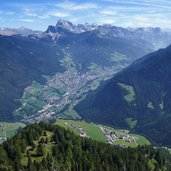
79	129
112	136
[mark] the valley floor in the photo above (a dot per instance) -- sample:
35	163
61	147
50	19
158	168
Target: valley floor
96	132
103	133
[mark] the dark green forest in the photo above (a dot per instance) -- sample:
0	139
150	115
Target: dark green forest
42	147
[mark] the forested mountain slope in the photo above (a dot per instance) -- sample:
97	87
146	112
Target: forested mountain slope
23	60
139	94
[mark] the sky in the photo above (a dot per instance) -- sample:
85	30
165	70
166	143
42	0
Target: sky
38	14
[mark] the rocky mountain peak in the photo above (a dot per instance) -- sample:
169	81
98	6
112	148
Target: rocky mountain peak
65	24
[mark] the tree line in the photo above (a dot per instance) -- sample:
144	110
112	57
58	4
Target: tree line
32	149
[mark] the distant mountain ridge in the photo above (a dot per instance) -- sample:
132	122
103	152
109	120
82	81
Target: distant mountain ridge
80	28
20	31
158	37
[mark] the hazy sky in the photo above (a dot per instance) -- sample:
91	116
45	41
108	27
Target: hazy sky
38	14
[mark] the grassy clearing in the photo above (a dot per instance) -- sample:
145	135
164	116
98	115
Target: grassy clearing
92	130
131	122
126	144
130	96
152	163
67	61
93	66
9	128
36	85
95	84
18	113
150	105
71	113
33	152
142	140
118	57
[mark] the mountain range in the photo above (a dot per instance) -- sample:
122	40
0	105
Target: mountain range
20	31
159	38
29	57
84	68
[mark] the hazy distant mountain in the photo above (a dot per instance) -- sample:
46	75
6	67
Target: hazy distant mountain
157	37
20	31
139	97
72	27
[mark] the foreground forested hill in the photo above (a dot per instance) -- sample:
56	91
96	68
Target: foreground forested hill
41	147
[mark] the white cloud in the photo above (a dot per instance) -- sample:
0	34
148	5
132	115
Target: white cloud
159	4
30	13
108	12
58	14
123	13
107	21
73	6
43	17
27	20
